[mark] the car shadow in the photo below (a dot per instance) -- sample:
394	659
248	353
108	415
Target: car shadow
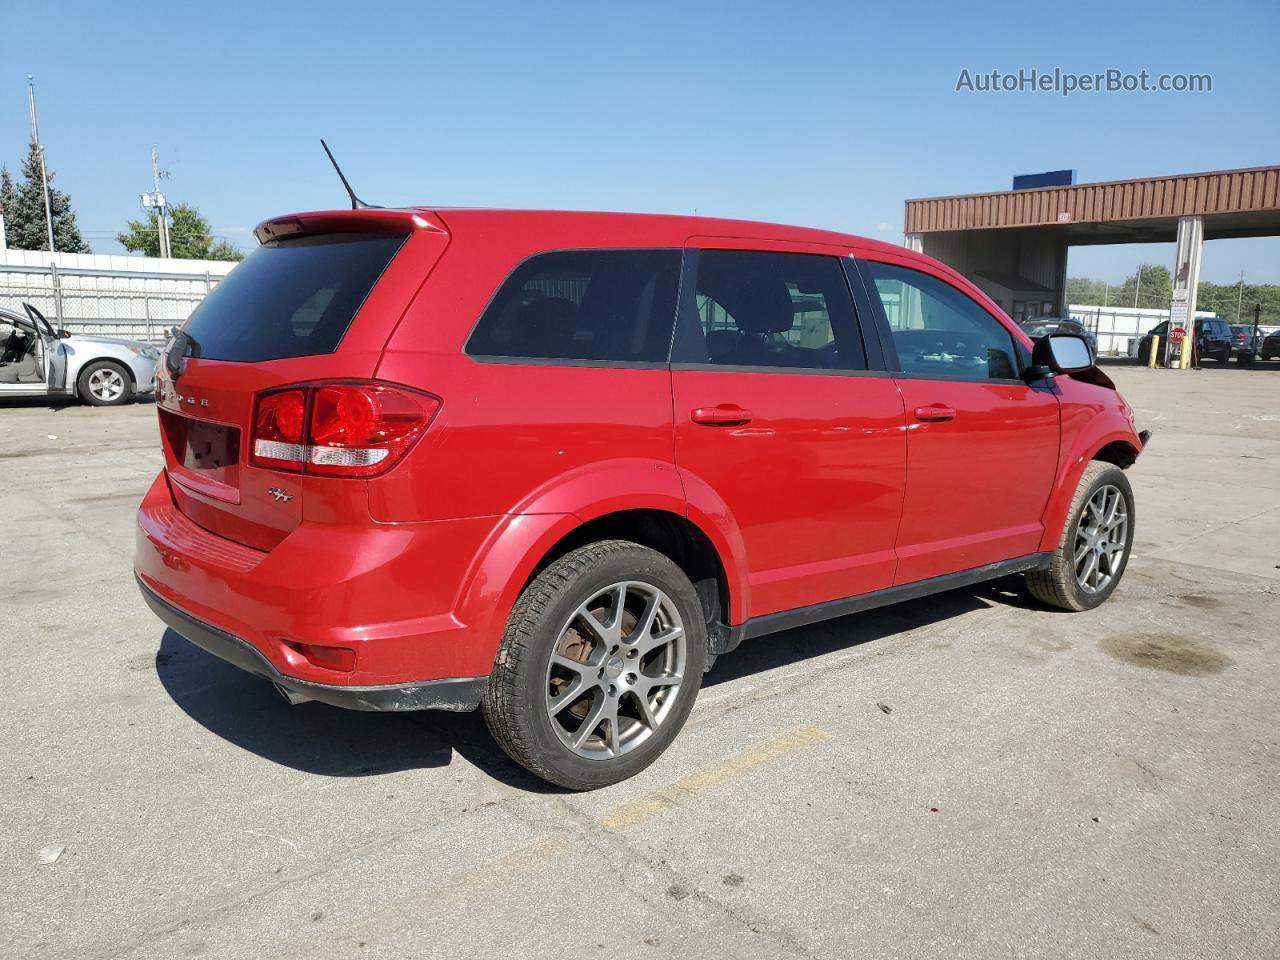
316	738
58	404
1232	365
791	647
1236	365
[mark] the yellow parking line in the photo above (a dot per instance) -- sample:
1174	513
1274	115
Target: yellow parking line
627	815
458	891
748	760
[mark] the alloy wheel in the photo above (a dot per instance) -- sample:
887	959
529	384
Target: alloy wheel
616	669
1101	539
106	384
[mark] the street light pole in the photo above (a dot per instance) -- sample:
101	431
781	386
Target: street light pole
161	224
44	177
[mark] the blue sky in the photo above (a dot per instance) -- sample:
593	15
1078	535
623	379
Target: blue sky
825	114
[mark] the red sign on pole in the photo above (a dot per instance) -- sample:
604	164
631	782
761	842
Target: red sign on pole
1176	335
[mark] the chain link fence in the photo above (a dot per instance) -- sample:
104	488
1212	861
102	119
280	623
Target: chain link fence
132	304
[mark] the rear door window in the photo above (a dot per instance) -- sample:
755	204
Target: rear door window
605	305
769	309
291	298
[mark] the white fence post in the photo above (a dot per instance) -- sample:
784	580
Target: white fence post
57	294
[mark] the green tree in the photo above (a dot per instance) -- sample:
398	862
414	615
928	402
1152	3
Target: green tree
1151	286
189	237
8	195
1229	301
223	250
1234	301
1086	291
22	206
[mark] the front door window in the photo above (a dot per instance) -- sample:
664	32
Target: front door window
938	331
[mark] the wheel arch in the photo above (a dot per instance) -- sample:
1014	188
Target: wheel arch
674	536
1116	446
73	375
632	499
1123	453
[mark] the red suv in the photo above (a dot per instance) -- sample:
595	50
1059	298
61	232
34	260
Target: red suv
554	464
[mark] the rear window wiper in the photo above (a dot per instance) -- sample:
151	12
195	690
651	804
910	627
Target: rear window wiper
181	345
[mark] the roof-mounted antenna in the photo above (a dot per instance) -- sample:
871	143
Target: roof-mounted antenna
356	202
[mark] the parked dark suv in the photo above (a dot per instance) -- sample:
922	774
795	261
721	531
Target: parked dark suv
1213	341
1269	348
554	464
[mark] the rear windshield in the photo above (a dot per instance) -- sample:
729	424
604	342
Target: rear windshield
291	298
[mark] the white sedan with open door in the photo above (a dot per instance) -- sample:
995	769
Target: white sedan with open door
38	361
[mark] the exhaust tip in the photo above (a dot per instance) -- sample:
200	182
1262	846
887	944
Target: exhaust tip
291	696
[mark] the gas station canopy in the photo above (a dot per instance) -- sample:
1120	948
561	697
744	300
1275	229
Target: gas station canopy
1013	243
1234	203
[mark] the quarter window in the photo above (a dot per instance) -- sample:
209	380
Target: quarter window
938	331
765	309
616	305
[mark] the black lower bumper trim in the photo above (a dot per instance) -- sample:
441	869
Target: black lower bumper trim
459	694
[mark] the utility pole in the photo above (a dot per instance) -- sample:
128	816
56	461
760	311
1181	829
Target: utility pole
162	224
1137	287
44	177
1240	297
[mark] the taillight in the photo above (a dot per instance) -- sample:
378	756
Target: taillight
358	429
277	430
351	429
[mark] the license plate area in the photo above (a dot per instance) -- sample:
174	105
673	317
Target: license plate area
203	455
211	447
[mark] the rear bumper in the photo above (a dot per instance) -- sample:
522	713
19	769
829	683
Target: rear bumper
387	592
458	693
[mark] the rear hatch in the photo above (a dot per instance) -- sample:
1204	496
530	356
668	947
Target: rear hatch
317	301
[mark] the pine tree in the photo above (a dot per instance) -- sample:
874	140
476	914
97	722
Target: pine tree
23	209
8	200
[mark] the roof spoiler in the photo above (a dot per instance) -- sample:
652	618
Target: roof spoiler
366	220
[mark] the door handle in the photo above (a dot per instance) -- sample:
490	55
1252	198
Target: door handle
723	415
935	413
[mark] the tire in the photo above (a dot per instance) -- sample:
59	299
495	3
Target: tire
105	383
1059	585
536	729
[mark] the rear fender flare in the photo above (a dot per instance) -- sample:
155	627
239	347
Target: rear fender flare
523	537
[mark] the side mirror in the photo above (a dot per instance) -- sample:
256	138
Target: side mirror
64	334
1061	353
